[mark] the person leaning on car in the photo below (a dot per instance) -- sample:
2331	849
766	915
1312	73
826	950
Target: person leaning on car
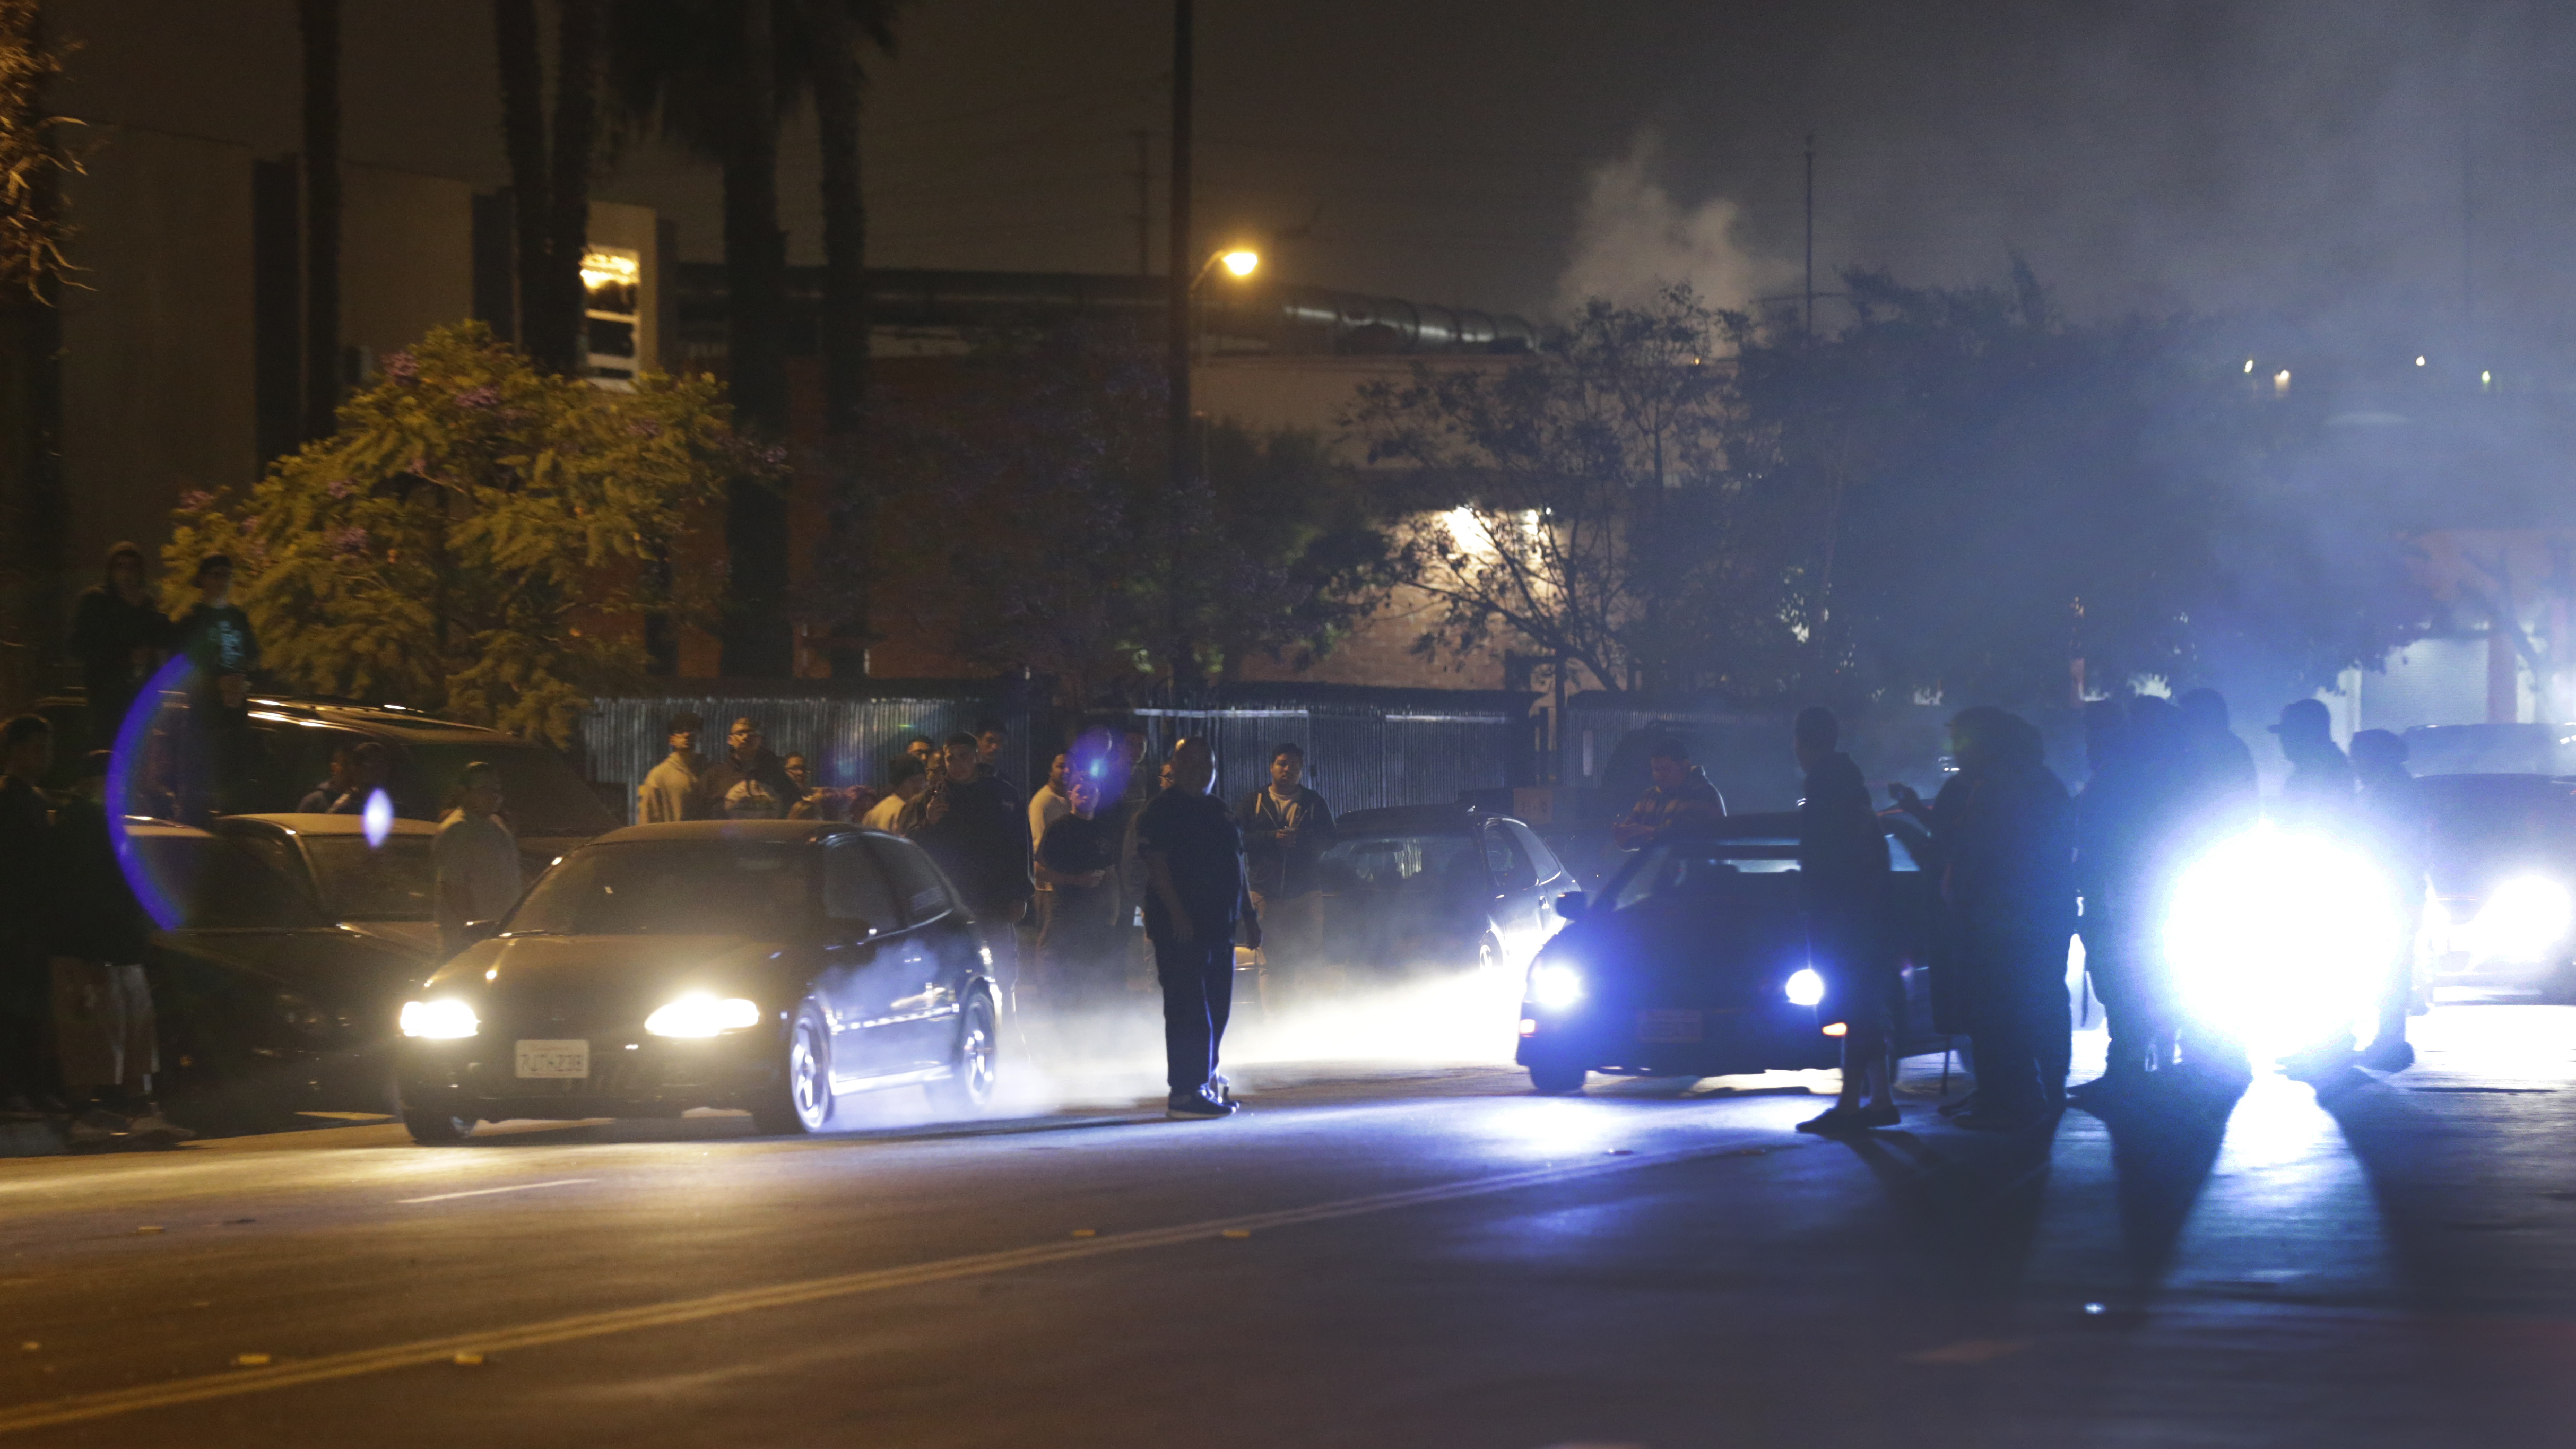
1681	799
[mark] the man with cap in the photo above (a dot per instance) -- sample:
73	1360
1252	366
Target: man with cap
674	790
2319	792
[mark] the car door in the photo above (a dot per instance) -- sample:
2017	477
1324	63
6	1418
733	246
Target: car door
1553	878
932	963
862	971
1515	884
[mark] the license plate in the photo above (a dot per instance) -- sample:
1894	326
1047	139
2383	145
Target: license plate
554	1058
1668	1026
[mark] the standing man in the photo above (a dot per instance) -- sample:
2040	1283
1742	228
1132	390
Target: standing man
2110	835
675	789
222	653
119	637
26	857
1073	866
974	829
2397	825
1286	828
1052	802
476	856
1842	882
905	780
1196	893
990	736
2319	793
105	1034
1680	800
749	783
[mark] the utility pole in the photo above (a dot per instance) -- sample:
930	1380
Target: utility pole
1182	267
1811	235
1144	204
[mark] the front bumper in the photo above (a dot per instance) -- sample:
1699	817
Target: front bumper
1676	1041
632	1074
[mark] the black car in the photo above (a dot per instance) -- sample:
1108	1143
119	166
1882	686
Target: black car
382	887
1693	963
772	965
1436	887
266	1003
2503	871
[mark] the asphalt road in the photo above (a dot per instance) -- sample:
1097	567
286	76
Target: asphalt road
1366	1256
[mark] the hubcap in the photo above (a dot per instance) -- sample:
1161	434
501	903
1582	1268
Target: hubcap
805	1078
975	1059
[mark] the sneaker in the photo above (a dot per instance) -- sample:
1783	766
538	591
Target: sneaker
1191	1106
153	1127
1219	1087
95	1128
2388	1056
1837	1121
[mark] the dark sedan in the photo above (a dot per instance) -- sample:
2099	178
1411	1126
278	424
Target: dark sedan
2504	882
772	966
1436	887
1693	963
265	1001
385	888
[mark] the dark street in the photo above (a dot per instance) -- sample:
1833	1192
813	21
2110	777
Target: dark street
1366	1256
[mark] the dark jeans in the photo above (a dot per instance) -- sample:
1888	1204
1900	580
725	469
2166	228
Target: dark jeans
2024	1042
1198	996
2126	977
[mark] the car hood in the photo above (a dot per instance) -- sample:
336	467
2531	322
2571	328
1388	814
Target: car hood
418	938
331	964
628	969
1674	951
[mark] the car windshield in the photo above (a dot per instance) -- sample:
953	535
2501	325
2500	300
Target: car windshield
395	881
195	882
1699	869
540	792
671	888
1421	861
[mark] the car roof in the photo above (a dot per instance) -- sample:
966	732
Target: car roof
299	823
770	832
152	829
1412	819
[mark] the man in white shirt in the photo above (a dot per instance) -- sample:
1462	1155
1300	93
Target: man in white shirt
674	789
905	781
477	859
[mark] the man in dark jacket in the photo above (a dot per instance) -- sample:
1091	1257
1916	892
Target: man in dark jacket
1193	857
1842	883
1681	799
119	636
748	783
1286	828
223	654
970	825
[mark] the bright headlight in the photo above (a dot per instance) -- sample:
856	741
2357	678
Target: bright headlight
443	1020
2280	938
1804	987
1556	986
699	1014
2523	919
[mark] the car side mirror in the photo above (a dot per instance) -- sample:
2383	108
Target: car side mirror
1571	905
479	931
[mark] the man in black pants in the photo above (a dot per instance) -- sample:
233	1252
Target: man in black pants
1193	860
1842	884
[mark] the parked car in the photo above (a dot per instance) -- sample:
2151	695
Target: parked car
2503	912
1436	887
550	806
387	889
1693	962
266	1003
772	965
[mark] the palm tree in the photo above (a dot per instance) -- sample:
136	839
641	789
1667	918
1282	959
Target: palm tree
319	23
33	509
550	195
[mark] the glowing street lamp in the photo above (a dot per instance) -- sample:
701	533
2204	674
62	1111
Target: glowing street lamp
1242	261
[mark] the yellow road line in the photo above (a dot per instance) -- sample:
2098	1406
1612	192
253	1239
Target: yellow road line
86	1407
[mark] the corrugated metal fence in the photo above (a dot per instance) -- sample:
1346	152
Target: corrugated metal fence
848	740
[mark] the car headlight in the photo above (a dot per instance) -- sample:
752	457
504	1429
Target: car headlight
699	1014
1556	986
1804	987
2281	938
443	1020
2524	919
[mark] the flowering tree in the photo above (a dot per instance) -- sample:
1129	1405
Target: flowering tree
479	538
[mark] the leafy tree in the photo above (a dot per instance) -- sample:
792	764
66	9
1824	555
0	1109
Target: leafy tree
1579	501
1992	496
1028	506
473	539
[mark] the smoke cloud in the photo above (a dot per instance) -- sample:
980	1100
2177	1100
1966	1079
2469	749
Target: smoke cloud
1634	237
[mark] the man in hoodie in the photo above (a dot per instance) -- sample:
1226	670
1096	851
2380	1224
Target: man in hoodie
1680	801
119	636
675	789
1842	883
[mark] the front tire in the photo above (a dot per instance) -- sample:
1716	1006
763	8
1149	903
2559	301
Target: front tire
803	1102
975	1071
1556	1079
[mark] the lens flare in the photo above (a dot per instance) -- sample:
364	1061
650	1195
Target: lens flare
377	819
138	760
2280	939
1804	987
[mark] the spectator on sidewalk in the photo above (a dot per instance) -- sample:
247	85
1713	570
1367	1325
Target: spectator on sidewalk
1680	801
1078	939
477	858
905	780
1286	828
120	637
991	736
223	654
675	788
1193	859
26	854
105	1035
974	829
749	783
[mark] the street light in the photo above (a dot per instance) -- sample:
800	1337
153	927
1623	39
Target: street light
1242	261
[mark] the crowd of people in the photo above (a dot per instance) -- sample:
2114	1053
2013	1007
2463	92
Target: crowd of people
2025	866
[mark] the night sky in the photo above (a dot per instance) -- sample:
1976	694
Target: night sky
2322	165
